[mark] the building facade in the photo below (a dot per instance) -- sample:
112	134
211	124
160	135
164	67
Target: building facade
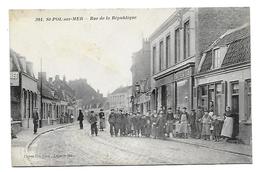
176	48
121	99
224	77
24	92
141	84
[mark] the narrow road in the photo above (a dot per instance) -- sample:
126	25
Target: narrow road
71	146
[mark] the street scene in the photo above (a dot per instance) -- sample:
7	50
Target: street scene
130	87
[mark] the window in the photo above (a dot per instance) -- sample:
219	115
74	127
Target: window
218	54
204	90
186	39
177	45
168	51
218	88
161	56
154	60
235	88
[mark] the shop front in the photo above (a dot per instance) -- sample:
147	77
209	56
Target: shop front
183	83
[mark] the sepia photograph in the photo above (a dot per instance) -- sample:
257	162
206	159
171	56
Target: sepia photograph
130	87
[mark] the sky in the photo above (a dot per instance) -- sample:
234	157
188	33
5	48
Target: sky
97	50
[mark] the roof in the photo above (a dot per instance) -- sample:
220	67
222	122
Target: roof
238	42
121	90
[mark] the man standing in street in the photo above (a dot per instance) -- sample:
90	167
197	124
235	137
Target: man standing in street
112	121
198	121
35	121
80	119
170	121
101	120
93	123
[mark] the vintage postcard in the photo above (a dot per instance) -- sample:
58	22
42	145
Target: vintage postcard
130	86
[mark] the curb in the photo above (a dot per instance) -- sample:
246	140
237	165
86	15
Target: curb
38	135
222	150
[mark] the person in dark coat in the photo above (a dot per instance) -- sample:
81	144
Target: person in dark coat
117	123
192	122
80	119
198	121
154	129
142	124
93	123
138	124
112	122
160	123
35	121
101	120
170	122
134	124
123	122
148	126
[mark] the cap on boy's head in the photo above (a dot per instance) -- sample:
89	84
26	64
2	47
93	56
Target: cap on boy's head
101	109
92	111
112	109
169	108
193	110
184	108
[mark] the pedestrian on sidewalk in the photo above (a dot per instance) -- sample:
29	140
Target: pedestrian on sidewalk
138	124
170	121
35	120
227	128
161	121
216	122
142	124
101	120
80	119
198	121
154	119
184	123
93	123
192	122
148	125
112	121
206	120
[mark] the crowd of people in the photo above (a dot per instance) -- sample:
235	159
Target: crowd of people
200	124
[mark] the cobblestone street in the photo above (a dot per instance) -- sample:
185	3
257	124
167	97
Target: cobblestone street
71	146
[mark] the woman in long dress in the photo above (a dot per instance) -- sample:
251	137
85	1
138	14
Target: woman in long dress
227	128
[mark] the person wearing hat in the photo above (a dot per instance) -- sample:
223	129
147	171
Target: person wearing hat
35	120
93	123
160	123
184	123
198	121
101	120
170	121
112	121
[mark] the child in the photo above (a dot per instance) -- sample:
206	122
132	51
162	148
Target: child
205	133
217	127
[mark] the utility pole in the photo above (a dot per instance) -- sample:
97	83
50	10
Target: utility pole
40	121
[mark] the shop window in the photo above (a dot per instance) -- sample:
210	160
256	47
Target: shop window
235	97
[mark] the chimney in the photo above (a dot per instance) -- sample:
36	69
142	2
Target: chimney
42	75
57	77
50	79
23	63
29	66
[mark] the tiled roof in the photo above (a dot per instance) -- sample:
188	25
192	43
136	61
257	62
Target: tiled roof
238	51
238	42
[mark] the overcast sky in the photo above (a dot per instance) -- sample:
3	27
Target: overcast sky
99	50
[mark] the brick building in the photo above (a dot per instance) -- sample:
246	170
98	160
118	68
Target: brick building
177	47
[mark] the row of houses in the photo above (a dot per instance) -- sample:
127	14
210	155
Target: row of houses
54	99
197	57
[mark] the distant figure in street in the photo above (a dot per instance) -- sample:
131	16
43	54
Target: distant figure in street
112	122
80	119
148	125
184	123
93	123
35	121
101	120
154	118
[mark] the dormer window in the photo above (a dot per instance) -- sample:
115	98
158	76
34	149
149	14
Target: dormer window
218	56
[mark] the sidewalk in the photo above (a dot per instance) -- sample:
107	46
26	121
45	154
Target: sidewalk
240	149
24	138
